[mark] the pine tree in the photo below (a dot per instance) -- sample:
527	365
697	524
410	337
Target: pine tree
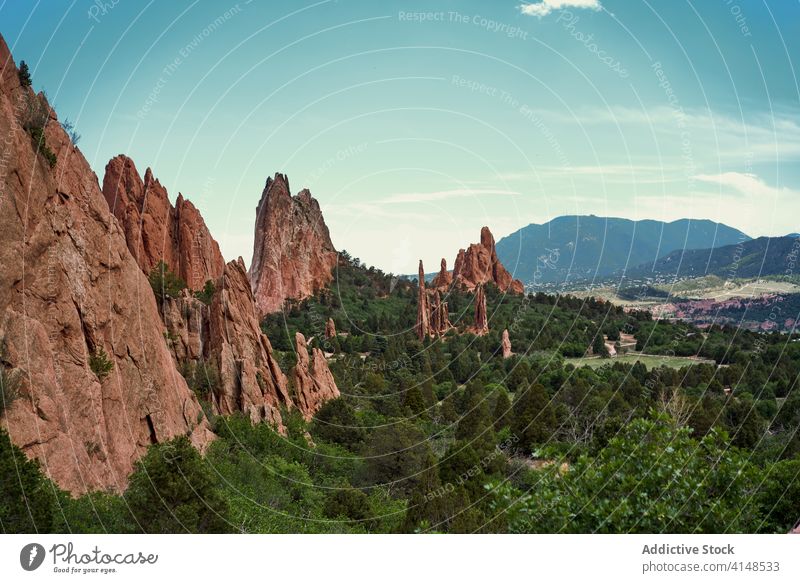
24	74
533	419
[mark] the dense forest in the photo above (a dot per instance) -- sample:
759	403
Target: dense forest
446	435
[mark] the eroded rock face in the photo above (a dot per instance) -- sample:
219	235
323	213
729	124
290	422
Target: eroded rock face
481	320
506	344
478	265
423	309
70	287
155	230
251	380
293	255
444	278
433	318
312	379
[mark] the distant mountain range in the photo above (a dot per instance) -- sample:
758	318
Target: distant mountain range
753	258
577	248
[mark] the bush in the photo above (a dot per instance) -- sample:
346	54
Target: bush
24	74
165	283
203	378
100	364
69	128
174	491
206	295
25	494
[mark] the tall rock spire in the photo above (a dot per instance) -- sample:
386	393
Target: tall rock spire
481	321
293	255
423	309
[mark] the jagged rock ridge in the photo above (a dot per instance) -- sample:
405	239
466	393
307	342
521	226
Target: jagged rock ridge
293	255
156	230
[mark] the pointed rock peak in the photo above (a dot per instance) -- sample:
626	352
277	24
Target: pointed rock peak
280	181
443	266
157	231
421	274
506	344
293	256
487	239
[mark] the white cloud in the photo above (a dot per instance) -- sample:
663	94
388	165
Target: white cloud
545	7
748	184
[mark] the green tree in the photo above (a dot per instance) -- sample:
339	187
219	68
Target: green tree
174	491
533	419
26	496
24	74
652	478
165	283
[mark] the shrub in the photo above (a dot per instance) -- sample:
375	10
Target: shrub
100	364
25	494
69	127
173	490
207	293
165	283
24	74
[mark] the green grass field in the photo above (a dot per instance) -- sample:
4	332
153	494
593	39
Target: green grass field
650	361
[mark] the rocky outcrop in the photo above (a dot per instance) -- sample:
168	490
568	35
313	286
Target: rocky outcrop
444	278
433	318
481	321
69	289
251	380
330	329
155	230
186	321
312	379
440	316
505	344
478	265
423	327
293	255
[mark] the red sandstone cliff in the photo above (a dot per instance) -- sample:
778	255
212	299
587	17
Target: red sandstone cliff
69	287
156	230
293	256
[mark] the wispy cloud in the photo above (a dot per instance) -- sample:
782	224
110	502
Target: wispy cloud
545	7
748	184
416	197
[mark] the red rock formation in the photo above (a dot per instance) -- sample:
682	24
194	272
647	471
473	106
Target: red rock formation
479	265
293	255
250	377
506	344
312	379
186	322
330	329
444	278
481	321
423	308
69	287
155	230
440	317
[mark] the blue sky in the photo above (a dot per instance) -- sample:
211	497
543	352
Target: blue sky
415	123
